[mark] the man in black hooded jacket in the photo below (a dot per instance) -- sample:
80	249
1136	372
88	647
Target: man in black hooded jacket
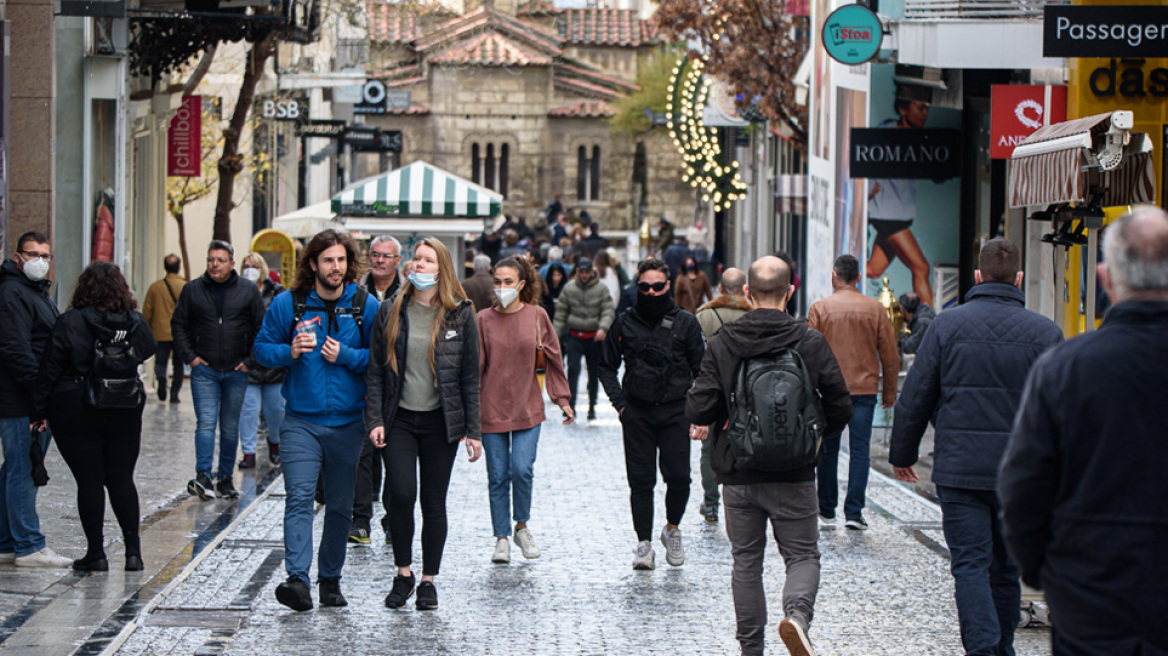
750	498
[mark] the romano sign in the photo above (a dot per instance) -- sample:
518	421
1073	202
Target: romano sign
905	153
1105	31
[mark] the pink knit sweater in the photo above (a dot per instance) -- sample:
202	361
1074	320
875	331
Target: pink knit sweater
510	398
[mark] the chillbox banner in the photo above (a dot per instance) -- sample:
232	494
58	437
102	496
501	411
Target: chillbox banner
1018	110
184	140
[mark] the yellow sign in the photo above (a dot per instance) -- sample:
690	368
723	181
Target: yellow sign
276	241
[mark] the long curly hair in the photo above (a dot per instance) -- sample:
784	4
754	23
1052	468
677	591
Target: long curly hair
306	278
532	292
103	286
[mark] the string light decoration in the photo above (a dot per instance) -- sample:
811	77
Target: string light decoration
698	144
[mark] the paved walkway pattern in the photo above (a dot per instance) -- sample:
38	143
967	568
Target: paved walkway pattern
884	591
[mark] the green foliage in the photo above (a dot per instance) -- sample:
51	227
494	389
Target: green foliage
653	72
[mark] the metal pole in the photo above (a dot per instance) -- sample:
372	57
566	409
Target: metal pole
1092	259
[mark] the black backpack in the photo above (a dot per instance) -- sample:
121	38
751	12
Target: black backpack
113	380
300	308
776	417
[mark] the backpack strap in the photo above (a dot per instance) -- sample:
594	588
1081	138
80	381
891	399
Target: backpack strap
721	321
299	309
168	289
357	310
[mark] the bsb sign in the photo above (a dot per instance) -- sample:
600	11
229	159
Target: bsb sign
852	34
1018	110
1104	31
905	153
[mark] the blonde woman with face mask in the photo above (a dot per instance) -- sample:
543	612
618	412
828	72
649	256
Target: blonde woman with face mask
511	333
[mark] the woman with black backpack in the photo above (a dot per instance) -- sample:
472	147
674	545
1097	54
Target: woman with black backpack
89	390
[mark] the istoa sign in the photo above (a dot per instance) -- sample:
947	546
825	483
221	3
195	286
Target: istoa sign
1128	79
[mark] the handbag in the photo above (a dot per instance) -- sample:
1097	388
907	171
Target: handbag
540	357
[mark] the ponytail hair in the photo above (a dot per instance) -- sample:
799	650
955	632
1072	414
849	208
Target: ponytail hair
532	292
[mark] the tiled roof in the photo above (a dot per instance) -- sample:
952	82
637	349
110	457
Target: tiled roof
492	49
400	76
606	27
414	110
572	68
584	109
537	8
394	24
583	88
404	82
486	17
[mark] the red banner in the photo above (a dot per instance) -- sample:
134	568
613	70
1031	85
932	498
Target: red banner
184	141
1017	111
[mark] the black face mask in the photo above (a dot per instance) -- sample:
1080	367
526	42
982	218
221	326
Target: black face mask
654	307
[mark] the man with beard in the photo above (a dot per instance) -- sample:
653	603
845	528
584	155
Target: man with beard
319	330
662	347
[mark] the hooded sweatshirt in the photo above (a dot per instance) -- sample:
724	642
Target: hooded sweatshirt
757	333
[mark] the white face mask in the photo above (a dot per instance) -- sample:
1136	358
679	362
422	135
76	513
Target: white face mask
506	295
35	269
251	274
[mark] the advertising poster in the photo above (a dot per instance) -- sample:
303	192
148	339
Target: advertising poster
913	224
850	198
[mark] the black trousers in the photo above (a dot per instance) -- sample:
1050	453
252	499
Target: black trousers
368	486
101	449
656	435
166	351
419	460
576	348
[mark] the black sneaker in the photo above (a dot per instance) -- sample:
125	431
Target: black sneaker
403	589
359	536
330	592
591	412
174	399
161	393
294	594
427	596
200	486
857	524
225	489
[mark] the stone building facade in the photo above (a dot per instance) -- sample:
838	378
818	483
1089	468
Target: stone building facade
516	97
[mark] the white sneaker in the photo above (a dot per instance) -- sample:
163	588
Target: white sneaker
527	544
645	559
44	558
502	551
674	552
7	558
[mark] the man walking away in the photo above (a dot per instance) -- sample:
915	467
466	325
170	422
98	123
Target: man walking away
919	316
480	288
970	371
753	496
861	338
214	326
1082	483
593	243
585	309
727	307
161	298
320	331
661	347
29	315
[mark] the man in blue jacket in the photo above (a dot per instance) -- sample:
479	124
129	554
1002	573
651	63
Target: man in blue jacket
1082	484
319	330
970	370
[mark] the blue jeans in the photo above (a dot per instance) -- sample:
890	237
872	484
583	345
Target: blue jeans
860	456
218	395
20	528
510	466
272	401
985	579
306	450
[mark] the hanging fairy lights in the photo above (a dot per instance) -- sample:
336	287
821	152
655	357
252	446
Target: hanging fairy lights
698	144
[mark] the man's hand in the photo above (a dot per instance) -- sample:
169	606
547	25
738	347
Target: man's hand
241	367
302	343
38	426
600	335
197	362
331	349
474	449
888	405
699	433
905	474
377	436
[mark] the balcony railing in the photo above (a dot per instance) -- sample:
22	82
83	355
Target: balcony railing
932	10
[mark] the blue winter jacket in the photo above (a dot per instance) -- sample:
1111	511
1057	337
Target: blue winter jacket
970	370
316	390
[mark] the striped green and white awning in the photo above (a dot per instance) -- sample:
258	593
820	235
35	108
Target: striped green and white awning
419	189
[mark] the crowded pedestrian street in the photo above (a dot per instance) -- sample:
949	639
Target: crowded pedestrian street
212	567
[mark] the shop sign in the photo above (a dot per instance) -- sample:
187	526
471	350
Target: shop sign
184	140
852	34
361	138
905	153
1104	31
284	109
1018	110
373	98
327	128
1126	78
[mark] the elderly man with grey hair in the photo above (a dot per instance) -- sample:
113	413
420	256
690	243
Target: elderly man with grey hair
382	279
480	287
1082	482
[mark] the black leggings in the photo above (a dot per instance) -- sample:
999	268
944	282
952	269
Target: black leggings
656	435
417	441
101	448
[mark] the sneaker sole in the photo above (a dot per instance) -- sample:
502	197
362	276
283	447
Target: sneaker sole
332	603
794	639
292	600
856	527
532	556
644	567
196	490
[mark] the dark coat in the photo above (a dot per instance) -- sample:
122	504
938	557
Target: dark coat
754	334
480	289
456	363
224	339
627	340
29	315
973	364
1082	484
258	374
69	355
918	328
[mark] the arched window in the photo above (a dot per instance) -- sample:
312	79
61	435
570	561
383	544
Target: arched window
489	180
504	168
594	187
588	173
490	166
475	164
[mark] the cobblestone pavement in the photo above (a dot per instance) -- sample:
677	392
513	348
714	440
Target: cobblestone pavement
884	591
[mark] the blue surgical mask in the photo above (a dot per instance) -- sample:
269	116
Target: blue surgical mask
423	281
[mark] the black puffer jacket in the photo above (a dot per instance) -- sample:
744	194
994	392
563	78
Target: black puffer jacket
456	363
224	339
258	374
29	315
69	355
655	373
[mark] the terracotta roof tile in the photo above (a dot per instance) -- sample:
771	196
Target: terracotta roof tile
585	88
485	17
393	24
414	110
584	109
606	27
492	49
537	8
575	69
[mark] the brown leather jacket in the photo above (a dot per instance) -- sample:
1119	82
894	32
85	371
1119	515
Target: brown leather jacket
861	338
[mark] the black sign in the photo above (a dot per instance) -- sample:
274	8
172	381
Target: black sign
328	128
373	98
363	138
905	153
1105	31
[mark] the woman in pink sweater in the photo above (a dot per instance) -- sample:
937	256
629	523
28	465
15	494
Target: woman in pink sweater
510	334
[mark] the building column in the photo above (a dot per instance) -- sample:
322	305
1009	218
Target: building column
32	109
